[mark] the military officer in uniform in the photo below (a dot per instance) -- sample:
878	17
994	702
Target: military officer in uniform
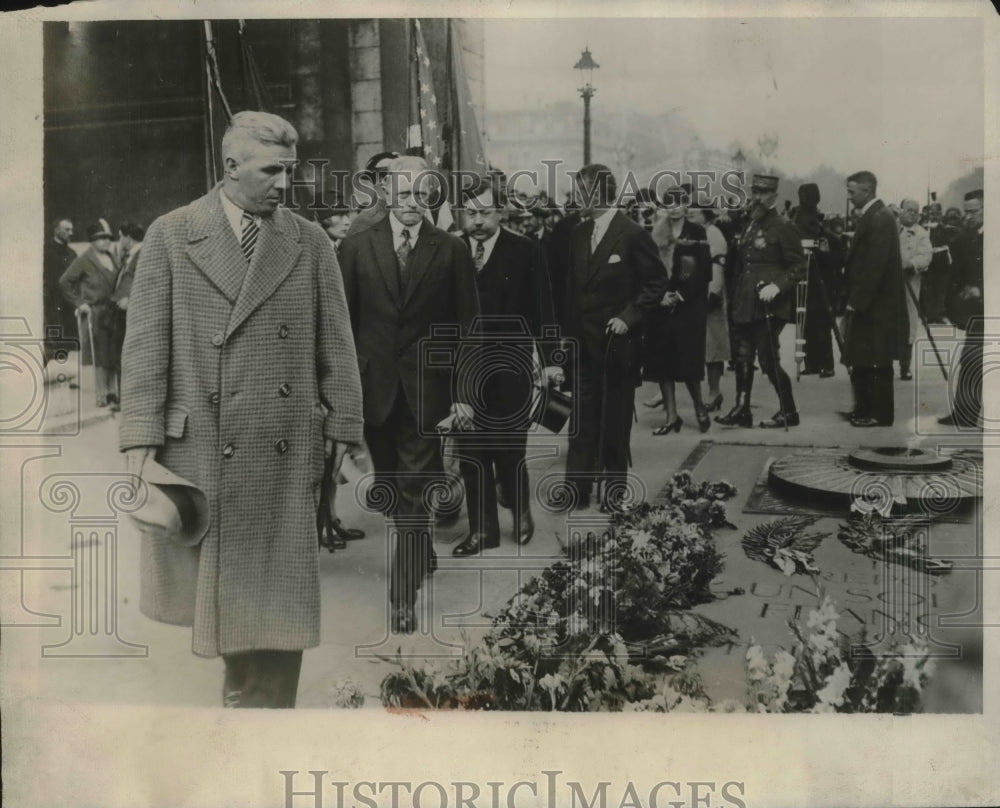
769	263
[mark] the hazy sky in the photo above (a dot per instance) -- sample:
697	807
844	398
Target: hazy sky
901	97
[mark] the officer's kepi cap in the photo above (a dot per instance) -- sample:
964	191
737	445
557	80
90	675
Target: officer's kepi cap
764	182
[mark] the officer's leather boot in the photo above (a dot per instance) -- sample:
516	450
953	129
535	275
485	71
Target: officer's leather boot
740	414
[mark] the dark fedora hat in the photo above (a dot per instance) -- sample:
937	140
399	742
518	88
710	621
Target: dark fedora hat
171	507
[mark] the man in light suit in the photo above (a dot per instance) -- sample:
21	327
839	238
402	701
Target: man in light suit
916	252
615	277
877	326
406	281
239	373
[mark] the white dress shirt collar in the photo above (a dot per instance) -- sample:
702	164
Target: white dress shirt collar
601	224
234	214
488	246
868	204
397	231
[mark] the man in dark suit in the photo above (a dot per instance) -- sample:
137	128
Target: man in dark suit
615	277
876	324
768	263
56	258
966	312
516	305
557	256
88	284
405	282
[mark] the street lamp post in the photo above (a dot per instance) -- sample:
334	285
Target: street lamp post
586	65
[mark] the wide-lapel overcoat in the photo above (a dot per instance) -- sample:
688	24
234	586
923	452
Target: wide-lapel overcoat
877	323
238	373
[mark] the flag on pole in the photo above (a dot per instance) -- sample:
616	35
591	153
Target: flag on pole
467	151
427	103
255	94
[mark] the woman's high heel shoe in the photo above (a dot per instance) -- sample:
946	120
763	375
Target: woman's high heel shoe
666	429
715	405
704	422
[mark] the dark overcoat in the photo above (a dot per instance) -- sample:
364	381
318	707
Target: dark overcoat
967	250
56	309
675	337
877	326
238	374
87	281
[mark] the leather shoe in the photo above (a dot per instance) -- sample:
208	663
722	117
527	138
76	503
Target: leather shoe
403	620
525	527
826	374
867	422
346	533
905	375
953	419
780	420
474	544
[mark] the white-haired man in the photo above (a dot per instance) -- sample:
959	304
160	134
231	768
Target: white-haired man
408	282
239	374
916	253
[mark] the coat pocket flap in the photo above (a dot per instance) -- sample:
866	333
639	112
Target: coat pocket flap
176	423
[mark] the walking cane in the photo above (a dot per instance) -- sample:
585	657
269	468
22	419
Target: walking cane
93	352
927	328
801	303
774	353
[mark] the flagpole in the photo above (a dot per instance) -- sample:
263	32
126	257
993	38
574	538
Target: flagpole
211	170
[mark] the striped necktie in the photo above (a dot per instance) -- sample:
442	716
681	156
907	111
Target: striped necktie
403	254
480	255
249	238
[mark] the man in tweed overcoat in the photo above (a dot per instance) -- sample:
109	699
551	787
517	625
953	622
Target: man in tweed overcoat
239	373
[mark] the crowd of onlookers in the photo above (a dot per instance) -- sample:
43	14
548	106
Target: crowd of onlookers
86	297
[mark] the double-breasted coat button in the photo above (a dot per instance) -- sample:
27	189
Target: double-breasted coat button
228	450
285	390
283	331
214	398
281	446
217	340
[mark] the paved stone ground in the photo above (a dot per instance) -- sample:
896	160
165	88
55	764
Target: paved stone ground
141	662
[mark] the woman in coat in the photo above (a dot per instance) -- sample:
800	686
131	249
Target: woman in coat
675	333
